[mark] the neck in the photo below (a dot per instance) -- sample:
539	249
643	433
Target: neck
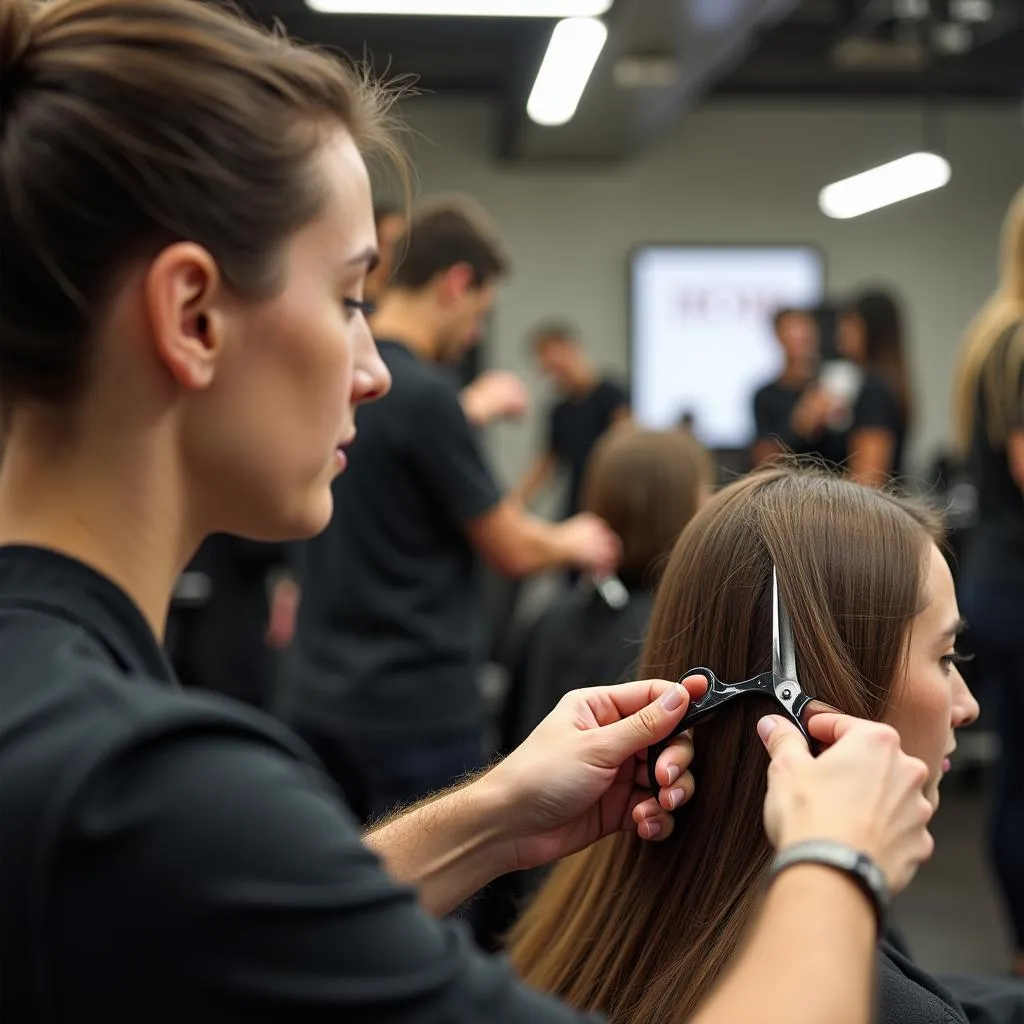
795	375
113	509
411	318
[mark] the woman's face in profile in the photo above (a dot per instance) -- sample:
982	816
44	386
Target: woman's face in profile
295	367
933	700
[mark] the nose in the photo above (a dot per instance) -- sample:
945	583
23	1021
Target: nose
372	378
965	707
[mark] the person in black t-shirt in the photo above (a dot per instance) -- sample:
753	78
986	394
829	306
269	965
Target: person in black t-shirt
990	428
870	333
391	633
799	413
589	405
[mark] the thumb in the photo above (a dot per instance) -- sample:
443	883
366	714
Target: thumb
653	722
780	735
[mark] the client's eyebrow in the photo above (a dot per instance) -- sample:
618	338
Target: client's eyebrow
370	256
953	631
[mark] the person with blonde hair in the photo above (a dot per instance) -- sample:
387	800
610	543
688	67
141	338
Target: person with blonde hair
647	934
990	430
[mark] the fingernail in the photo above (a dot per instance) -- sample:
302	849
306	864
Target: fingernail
672	698
765	728
653	829
673	773
675	797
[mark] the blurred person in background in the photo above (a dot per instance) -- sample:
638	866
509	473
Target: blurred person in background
391	630
871	334
588	405
990	428
851	429
646	485
235	613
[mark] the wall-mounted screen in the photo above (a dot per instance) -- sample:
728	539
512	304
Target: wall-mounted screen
701	332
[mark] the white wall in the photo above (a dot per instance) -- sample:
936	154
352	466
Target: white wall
732	173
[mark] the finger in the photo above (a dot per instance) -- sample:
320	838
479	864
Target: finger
649	821
780	736
671	798
830	727
619	740
674	760
614	703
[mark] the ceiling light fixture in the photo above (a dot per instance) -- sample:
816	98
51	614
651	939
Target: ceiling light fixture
575	45
891	183
466	8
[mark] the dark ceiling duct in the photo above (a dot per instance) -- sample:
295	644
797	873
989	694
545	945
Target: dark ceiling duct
662	56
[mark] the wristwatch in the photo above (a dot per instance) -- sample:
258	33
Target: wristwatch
859	866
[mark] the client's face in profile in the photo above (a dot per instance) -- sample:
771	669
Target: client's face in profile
933	699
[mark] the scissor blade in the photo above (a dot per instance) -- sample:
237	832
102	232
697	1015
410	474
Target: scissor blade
783	647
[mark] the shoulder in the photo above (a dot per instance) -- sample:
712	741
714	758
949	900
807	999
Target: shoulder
906	993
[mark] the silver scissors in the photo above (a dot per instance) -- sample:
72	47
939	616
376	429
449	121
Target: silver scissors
782	683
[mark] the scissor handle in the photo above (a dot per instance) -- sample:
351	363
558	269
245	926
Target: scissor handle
708	706
699	711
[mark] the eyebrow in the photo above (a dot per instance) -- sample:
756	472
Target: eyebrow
370	256
952	631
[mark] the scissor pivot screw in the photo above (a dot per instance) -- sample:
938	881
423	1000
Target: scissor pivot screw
786	694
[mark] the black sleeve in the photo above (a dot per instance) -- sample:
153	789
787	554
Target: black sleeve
446	454
211	878
877	407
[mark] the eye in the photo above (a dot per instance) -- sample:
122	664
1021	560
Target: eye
360	306
956	658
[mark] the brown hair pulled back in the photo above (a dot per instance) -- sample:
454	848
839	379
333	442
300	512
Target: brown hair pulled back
128	125
641	930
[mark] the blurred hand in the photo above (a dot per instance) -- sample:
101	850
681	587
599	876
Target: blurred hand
863	791
582	773
591	545
495	395
812	412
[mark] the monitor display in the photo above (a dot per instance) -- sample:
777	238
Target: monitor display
701	333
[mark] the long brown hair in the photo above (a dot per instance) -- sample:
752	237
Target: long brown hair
1003	311
641	931
647	485
127	125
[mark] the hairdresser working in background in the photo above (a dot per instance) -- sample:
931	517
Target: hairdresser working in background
184	241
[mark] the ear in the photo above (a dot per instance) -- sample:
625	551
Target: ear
456	281
181	289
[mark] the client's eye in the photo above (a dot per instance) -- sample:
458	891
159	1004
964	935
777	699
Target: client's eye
358	305
956	658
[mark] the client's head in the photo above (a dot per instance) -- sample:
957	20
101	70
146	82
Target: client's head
641	930
647	485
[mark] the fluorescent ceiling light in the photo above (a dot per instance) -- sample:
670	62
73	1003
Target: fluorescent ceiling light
467	8
575	45
882	186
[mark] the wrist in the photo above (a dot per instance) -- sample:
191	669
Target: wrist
488	809
845	861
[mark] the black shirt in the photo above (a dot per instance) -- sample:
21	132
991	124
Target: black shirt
576	426
876	407
995	551
170	856
391	626
578	641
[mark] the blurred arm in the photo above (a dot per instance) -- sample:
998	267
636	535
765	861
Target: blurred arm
871	455
537	476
